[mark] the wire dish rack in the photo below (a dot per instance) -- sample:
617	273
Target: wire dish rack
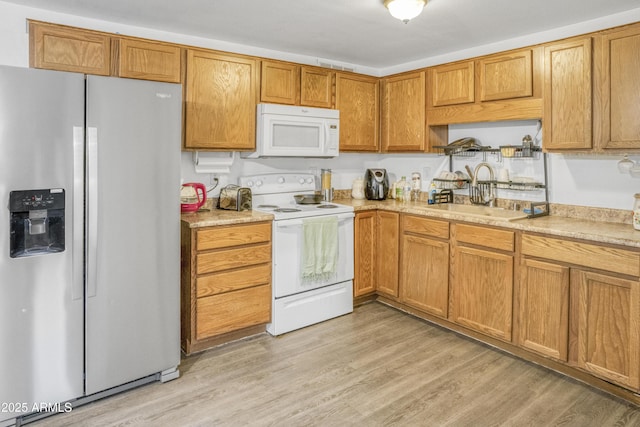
450	184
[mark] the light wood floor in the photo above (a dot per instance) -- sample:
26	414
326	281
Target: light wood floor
375	367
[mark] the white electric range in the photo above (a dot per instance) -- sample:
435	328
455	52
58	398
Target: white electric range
299	301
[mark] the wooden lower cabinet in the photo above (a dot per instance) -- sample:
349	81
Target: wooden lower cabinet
225	283
481	281
606	315
365	232
387	253
543	308
424	278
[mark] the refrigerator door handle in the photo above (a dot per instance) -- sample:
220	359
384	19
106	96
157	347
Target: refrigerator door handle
92	211
77	288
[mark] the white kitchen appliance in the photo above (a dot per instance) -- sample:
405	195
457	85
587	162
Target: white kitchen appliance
89	238
294	131
297	301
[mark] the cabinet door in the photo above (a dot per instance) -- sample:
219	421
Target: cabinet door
139	59
608	333
279	82
365	226
358	102
617	85
56	47
220	101
425	274
567	95
316	86
404	113
506	76
387	250
482	291
544	308
452	84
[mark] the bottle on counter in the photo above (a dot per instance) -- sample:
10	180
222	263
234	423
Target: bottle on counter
400	188
416	186
406	193
433	191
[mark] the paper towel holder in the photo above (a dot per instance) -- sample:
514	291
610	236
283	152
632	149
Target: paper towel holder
213	162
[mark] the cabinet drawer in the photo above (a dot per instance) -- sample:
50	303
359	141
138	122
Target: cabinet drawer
488	237
219	314
210	262
428	227
218	283
235	235
584	254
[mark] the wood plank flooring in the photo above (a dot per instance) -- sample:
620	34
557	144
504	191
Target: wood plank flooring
375	367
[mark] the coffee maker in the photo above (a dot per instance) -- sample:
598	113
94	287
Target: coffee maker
376	184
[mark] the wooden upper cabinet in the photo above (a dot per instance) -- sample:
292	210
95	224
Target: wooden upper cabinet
220	101
567	95
506	76
357	98
141	59
404	113
451	84
316	87
57	47
617	88
279	82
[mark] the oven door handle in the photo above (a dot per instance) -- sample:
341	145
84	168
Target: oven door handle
297	222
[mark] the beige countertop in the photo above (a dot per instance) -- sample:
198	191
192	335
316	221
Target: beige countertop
597	231
214	217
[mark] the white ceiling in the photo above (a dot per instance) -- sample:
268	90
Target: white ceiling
359	32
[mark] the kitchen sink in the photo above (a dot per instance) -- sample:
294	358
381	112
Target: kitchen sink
480	211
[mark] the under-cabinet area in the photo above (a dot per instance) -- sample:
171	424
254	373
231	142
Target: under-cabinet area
568	303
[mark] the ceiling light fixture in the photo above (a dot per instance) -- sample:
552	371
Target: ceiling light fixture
405	10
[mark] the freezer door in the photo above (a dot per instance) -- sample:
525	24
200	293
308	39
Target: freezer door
41	296
133	247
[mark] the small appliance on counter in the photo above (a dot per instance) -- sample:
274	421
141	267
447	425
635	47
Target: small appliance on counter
234	198
376	184
192	196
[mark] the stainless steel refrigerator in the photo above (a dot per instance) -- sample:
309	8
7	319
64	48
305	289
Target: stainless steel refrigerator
89	237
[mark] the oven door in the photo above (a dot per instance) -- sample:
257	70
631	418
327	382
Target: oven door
287	256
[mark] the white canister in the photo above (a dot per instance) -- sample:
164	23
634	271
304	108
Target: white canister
357	188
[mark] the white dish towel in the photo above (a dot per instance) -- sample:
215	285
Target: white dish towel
319	247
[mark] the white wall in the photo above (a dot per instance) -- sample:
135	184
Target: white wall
579	180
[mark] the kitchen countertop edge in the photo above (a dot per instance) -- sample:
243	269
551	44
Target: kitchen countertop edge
596	231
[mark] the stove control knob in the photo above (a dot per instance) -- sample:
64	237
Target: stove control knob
309	180
258	183
249	183
301	180
280	180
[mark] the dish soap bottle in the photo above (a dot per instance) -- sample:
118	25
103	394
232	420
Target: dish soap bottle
433	191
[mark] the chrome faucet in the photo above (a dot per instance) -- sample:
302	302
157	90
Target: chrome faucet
480	197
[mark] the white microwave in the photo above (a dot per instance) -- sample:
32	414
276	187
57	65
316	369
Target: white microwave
293	131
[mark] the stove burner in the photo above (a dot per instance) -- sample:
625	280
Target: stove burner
267	206
327	206
286	210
